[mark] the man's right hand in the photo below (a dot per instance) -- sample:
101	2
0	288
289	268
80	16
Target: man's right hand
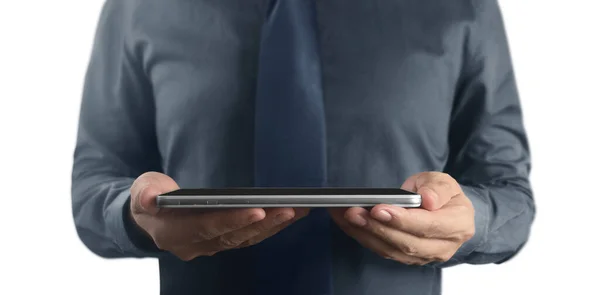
188	234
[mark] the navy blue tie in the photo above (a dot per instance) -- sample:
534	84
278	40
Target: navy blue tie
290	146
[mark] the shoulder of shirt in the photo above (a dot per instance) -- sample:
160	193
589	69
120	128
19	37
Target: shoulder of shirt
485	11
120	17
115	15
124	13
486	19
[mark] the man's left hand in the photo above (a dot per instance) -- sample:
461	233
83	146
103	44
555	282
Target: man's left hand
415	236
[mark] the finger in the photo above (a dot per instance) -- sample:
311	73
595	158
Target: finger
337	214
406	242
300	213
410	184
450	223
146	188
181	229
435	188
265	235
274	218
380	247
409	244
356	216
215	224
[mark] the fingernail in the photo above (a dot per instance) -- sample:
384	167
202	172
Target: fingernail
358	220
383	216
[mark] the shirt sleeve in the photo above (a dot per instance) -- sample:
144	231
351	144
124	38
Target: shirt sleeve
489	151
115	140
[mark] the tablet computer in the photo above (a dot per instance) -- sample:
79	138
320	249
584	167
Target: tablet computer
287	197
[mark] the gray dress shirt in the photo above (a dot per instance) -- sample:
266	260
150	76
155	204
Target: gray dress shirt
409	86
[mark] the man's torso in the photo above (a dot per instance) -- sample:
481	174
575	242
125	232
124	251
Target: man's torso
390	70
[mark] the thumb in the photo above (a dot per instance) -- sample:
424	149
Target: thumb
436	188
146	188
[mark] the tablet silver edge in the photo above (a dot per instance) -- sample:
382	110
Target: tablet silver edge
411	201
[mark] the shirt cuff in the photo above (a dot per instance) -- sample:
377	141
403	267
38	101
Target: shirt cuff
481	223
128	237
482	216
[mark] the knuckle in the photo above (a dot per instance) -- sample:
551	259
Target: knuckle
443	179
211	253
253	241
202	236
443	185
381	231
227	243
185	256
394	256
436	176
252	234
389	253
248	243
468	234
423	179
425	234
443	257
208	234
409	249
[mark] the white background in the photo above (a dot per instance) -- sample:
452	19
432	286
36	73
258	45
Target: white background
44	50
